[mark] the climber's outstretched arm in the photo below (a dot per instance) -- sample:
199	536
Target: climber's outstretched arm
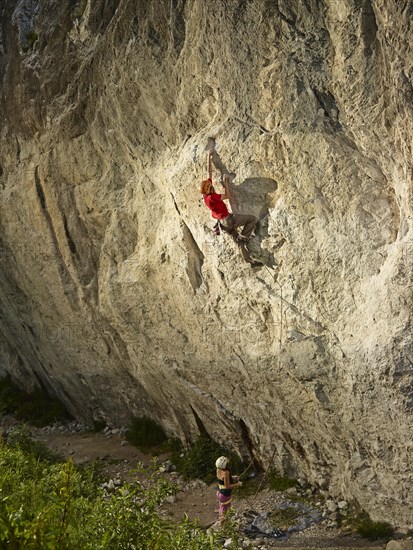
227	194
209	162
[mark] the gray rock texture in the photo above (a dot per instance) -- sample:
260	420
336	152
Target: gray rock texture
400	545
115	294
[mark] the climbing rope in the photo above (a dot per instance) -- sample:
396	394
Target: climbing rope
247	468
265	473
262	480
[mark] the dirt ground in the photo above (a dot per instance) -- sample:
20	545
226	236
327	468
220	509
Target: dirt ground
197	500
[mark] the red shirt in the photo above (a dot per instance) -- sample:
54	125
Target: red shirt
216	205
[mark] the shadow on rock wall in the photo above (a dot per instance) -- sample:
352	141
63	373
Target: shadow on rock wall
251	197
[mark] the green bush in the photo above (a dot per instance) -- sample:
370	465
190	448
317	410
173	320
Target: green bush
60	506
36	408
31	38
229	530
98	426
373	530
199	461
145	433
21	438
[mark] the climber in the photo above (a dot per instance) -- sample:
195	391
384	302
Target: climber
225	485
215	202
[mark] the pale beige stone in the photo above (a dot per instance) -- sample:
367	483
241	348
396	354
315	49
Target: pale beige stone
116	295
400	545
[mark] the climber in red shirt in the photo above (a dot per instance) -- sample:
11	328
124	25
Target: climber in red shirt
215	202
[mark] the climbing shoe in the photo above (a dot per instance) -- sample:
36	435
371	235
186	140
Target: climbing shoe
256	263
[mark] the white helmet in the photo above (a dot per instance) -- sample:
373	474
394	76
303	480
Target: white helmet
221	462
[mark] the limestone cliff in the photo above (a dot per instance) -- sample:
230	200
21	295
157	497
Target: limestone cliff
115	294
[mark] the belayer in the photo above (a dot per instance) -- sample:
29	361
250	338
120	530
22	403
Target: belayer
226	482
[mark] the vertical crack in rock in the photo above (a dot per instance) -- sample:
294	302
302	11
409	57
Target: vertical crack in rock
66	278
328	103
72	245
201	427
368	25
39	189
246	438
177	24
195	258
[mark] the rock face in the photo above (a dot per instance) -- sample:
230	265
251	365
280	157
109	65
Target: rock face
115	294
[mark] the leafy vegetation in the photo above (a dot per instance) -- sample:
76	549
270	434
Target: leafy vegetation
199	461
57	505
374	530
37	408
279	483
229	530
21	438
31	38
359	522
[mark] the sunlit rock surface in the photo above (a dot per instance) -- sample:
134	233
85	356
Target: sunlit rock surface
115	294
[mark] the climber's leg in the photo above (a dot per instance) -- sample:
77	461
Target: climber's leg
228	224
248	222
